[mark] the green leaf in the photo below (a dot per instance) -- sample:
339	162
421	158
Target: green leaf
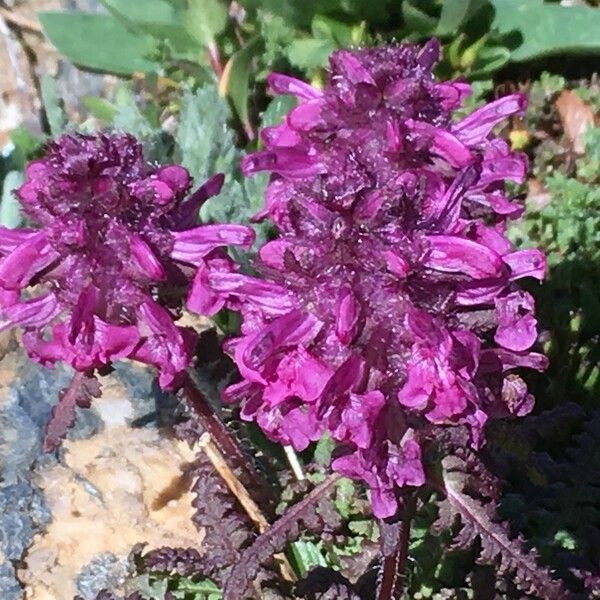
489	59
204	589
161	19
456	13
310	53
298	13
53	105
128	116
306	555
330	29
205	20
235	82
10	209
277	109
99	42
159	12
345	496
548	29
26	146
206	146
100	108
323	450
415	20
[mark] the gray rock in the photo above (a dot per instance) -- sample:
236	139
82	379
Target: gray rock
23	511
105	571
152	407
38	391
9	587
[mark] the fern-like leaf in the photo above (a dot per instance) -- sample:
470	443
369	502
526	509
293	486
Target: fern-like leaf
80	392
274	540
497	546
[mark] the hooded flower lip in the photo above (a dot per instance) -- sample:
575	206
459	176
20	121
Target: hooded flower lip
112	232
397	282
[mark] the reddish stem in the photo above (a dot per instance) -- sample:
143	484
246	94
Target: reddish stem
225	441
394	547
215	59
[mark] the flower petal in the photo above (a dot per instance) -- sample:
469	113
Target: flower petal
146	260
284	84
475	128
517	327
30	313
192	245
19	267
451	254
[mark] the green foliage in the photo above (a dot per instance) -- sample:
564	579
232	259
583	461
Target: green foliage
235	82
53	105
99	42
205	20
546	28
205	145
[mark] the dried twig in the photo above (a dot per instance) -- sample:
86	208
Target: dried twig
20	21
243	497
294	463
222	437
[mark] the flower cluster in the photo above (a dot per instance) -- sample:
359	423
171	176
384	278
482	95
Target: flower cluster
114	240
387	306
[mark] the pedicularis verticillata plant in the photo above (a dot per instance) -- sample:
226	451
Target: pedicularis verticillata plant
387	306
114	248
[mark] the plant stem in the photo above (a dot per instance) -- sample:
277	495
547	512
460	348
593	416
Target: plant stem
215	59
224	440
244	498
395	536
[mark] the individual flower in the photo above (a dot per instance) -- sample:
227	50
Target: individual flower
114	245
387	306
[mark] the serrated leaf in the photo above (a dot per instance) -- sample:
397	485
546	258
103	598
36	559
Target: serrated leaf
456	13
206	146
99	42
235	81
205	589
204	139
205	20
10	209
546	28
344	497
53	105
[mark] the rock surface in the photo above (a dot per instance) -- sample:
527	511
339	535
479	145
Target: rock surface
69	521
118	488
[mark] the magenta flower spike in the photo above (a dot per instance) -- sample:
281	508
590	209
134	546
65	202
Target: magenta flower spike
114	242
387	306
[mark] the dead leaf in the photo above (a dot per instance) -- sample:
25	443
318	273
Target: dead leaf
576	117
537	195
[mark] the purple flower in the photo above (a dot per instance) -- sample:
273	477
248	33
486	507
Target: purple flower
114	245
387	306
